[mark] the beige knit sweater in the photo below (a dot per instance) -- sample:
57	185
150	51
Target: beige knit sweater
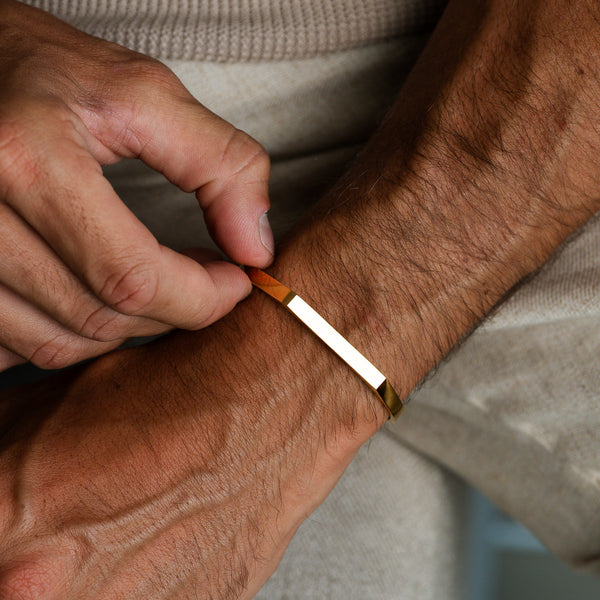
239	30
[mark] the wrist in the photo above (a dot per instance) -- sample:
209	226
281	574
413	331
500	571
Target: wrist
316	271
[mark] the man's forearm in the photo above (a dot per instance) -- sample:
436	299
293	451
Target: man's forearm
485	164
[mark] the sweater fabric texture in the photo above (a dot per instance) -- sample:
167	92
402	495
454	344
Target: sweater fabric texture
245	30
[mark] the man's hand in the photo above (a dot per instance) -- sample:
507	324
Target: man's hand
78	272
128	482
181	470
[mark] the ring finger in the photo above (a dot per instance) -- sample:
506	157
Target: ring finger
31	334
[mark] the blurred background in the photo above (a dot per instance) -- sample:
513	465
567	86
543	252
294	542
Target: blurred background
506	562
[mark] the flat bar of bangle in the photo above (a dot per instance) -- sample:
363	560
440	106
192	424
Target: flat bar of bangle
372	376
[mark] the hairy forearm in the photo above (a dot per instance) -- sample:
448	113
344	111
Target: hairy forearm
485	164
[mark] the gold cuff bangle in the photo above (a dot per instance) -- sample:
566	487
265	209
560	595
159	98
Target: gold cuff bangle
326	333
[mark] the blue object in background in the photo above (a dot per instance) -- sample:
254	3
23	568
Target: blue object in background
506	562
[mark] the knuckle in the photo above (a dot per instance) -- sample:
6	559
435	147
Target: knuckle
18	166
211	312
57	353
144	76
131	287
30	155
243	154
207	312
70	158
104	325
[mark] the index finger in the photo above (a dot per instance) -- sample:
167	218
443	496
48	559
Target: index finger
75	209
199	151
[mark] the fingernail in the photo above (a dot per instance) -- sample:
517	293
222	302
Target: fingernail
266	233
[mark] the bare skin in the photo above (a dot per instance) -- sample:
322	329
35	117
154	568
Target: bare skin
78	271
182	469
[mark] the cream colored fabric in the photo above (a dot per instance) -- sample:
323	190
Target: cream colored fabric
390	530
516	410
233	30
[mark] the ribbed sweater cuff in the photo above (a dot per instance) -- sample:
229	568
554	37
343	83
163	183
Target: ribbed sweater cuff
243	30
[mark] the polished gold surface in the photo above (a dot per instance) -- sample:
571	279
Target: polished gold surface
268	284
390	399
326	333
